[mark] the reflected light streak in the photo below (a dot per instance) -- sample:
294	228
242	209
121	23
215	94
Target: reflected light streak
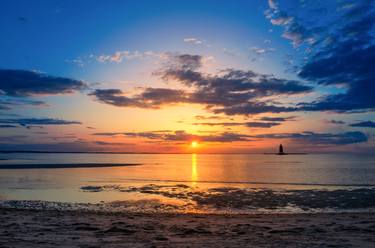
194	171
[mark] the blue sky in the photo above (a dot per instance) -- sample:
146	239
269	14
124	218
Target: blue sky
50	32
167	62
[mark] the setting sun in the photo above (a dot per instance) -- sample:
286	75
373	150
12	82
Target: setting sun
194	144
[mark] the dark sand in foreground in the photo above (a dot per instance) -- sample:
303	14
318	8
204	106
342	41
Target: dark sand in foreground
38	228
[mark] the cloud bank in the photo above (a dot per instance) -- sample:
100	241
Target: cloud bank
37	121
28	83
340	51
370	124
230	92
314	138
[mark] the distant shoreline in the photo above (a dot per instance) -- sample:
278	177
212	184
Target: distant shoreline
86	152
62	166
289	153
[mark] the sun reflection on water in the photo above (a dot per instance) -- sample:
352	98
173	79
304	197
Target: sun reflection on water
194	171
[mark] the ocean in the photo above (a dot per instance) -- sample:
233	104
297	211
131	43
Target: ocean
209	183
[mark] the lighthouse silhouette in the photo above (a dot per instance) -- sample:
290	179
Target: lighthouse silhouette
281	150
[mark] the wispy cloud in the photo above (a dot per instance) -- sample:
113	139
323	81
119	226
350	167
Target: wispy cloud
118	57
13	138
209	117
293	30
258	124
194	41
251	124
9	102
218	124
260	51
26	122
369	124
7	126
278	119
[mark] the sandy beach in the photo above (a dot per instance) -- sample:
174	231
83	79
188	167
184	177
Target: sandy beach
42	228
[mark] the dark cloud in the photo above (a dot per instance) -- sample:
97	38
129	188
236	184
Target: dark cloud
186	62
219	123
278	119
28	83
335	122
41	132
4	107
7	103
149	98
364	124
107	134
349	63
304	137
230	92
225	137
12	138
103	143
237	81
9	114
7	126
250	108
257	124
114	97
160	96
37	121
340	53
77	146
210	117
236	91
253	124
180	135
62	137
148	135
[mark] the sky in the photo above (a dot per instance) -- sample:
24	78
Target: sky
154	76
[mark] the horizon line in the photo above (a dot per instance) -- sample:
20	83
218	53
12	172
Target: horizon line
115	152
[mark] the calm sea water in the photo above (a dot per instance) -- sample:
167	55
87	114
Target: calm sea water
188	181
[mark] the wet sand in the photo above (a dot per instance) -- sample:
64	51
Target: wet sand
42	228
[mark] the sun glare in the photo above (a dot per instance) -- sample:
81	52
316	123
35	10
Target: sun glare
194	144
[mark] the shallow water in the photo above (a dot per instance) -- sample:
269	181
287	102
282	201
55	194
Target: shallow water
192	182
